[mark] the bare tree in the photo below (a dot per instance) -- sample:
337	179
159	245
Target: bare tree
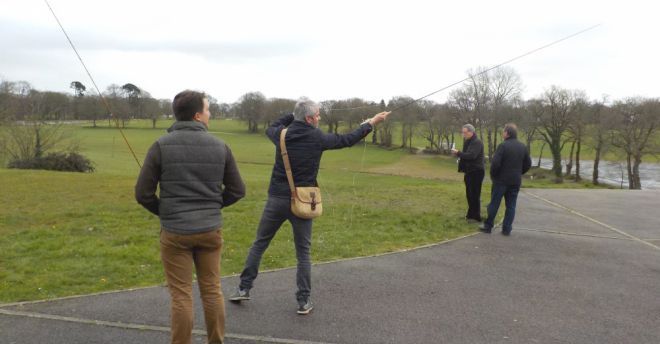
48	106
8	101
440	126
277	107
473	99
33	136
251	107
639	120
486	101
152	109
118	104
505	87
374	135
214	106
530	120
330	115
554	122
601	122
578	127
90	108
430	116
224	110
33	139
166	108
407	117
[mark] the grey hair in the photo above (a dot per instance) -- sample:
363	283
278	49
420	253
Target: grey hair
470	128
305	107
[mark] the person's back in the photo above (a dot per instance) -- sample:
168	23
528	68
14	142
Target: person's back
191	166
510	161
305	144
192	172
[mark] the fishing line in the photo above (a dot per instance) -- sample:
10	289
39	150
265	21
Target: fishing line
530	52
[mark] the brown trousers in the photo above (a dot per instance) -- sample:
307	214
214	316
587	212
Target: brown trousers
179	253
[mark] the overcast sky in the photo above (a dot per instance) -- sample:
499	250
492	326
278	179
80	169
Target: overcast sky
330	49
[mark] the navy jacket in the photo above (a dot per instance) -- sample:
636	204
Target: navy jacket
305	145
510	161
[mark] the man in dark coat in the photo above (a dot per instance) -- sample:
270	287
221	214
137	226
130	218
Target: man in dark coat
510	161
471	163
305	144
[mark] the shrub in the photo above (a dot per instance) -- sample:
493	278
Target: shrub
72	162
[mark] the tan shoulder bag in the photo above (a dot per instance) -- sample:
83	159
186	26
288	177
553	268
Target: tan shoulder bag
305	201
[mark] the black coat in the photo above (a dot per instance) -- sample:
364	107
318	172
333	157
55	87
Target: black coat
510	161
305	145
471	159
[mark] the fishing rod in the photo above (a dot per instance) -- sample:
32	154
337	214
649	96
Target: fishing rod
105	102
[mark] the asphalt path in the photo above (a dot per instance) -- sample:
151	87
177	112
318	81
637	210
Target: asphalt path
581	266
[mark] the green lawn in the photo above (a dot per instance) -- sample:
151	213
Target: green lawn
70	233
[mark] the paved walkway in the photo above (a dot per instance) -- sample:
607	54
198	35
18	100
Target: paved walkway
582	266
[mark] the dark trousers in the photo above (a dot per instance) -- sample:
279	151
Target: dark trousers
473	181
510	194
276	211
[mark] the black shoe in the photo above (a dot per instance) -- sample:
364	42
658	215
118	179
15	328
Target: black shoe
506	233
240	295
471	220
304	309
485	229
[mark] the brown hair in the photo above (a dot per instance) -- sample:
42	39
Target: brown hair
511	130
187	103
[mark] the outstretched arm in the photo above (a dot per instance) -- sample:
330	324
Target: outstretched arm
336	141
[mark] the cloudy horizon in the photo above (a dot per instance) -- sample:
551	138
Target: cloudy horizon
333	50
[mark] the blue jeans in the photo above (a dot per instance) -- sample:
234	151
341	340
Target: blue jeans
510	194
276	211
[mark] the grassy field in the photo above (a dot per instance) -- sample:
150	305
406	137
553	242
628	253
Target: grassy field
69	233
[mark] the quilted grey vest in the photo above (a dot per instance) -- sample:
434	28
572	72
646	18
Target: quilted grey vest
192	171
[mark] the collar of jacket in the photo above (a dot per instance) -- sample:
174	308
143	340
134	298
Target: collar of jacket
187	125
304	124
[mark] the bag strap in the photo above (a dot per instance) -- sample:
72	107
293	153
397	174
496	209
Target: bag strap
287	164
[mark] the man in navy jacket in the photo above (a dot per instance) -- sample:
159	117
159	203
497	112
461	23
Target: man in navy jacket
305	144
510	161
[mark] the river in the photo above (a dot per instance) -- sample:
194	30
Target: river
613	172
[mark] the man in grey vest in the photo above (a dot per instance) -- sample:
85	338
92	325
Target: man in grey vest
305	144
198	177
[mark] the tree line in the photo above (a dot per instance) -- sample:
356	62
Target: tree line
558	118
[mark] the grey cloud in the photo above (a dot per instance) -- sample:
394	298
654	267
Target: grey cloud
22	37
